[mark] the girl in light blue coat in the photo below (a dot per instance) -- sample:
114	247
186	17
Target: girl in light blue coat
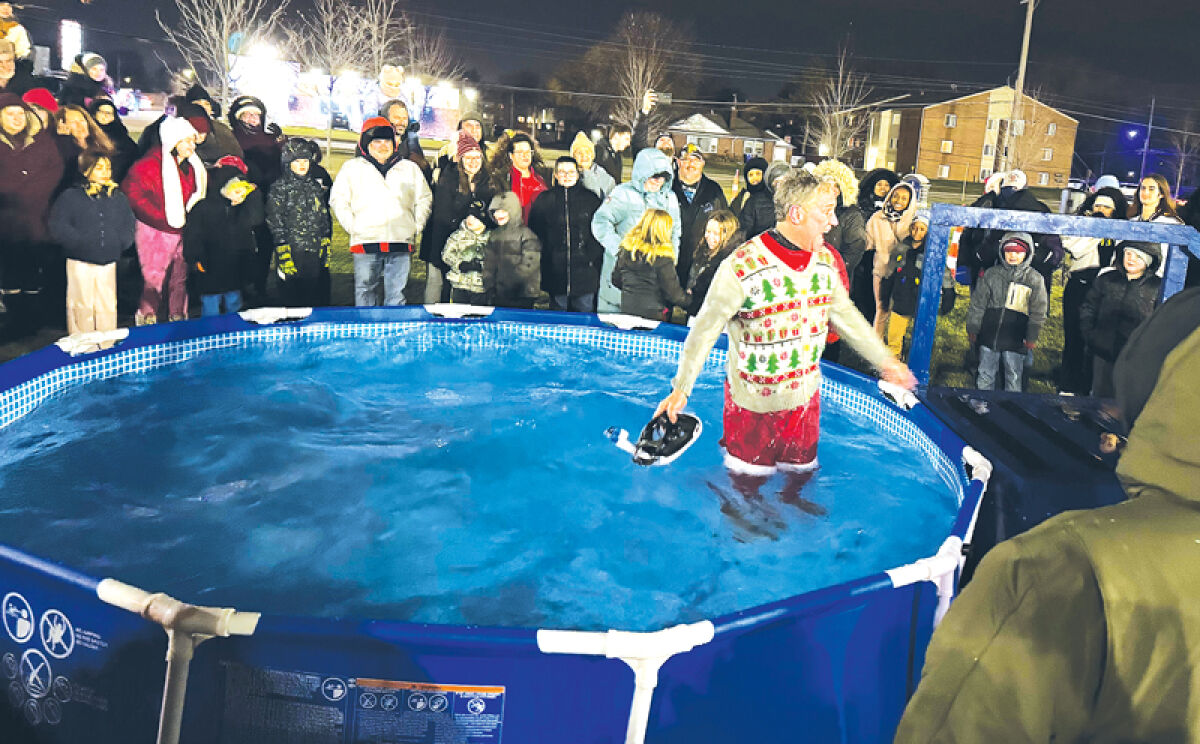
650	188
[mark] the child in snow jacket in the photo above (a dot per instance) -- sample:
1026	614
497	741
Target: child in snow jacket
219	236
1119	300
885	231
464	256
906	291
512	264
1008	308
299	219
93	223
645	270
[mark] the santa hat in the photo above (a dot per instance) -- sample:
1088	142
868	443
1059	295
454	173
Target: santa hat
582	144
466	143
41	97
171	132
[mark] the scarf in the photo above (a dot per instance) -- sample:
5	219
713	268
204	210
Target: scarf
173	205
95	190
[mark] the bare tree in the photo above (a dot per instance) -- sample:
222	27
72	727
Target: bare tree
1031	137
839	115
1185	147
429	55
206	29
333	37
387	29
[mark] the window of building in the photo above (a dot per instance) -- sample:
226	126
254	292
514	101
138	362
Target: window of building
951	120
985	174
947	146
1051	128
1019	127
943	171
753	148
1047	153
1043	179
893	143
895	120
988	150
991	124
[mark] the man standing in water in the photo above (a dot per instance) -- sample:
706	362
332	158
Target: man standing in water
779	293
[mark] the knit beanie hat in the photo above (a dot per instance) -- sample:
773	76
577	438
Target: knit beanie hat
91	59
581	144
41	97
1016	242
1104	201
466	143
376	128
470	116
171	132
922	215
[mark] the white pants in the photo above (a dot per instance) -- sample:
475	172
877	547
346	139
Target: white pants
91	297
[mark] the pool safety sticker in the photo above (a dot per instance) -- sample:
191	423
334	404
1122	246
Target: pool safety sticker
416	712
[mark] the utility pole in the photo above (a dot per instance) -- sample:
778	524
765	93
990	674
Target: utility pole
1016	104
1146	144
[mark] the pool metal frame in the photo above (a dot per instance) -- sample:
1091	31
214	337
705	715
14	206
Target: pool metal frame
30	380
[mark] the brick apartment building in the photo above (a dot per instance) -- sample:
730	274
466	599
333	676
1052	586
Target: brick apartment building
959	139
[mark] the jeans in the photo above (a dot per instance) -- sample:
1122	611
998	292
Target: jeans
210	304
989	363
434	282
585	303
374	269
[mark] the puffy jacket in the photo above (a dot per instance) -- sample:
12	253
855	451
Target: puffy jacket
906	291
649	285
598	181
375	208
298	215
220	236
849	236
622	210
1116	304
693	218
464	257
144	187
450	207
95	229
1085	628
30	170
1008	306
512	268
755	204
571	255
884	236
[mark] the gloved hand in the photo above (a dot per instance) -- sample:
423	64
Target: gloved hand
200	267
470	266
283	261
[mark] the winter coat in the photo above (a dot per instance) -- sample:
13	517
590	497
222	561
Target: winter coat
693	218
984	245
1008	307
21	82
1084	628
704	268
298	217
884	236
755	209
598	181
30	170
608	159
512	267
144	187
649	285
262	145
219	237
79	89
92	228
849	236
1116	304
219	143
526	189
906	290
450	207
571	255
868	203
125	150
622	210
377	209
464	256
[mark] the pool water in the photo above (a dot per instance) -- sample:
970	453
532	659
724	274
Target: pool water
449	479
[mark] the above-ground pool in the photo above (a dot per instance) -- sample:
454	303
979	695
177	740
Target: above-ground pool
450	480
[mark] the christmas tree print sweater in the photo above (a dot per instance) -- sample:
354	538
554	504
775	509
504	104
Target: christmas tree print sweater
778	301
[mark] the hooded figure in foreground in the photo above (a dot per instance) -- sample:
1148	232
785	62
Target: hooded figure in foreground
1087	627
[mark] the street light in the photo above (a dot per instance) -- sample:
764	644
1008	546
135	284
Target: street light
265	50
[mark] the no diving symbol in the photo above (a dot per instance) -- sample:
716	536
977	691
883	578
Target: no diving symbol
35	673
18	617
58	635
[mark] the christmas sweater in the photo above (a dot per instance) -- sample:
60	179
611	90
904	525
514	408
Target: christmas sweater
778	302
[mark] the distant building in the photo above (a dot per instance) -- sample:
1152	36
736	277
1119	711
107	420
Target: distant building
733	138
959	139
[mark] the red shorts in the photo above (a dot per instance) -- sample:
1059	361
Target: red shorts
764	441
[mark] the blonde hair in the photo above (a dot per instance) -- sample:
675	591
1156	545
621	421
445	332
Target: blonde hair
651	236
728	224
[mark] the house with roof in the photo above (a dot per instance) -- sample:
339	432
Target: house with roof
733	138
961	139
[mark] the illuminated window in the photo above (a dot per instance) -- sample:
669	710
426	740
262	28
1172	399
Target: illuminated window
1043	179
947	146
1047	153
943	171
951	120
1051	128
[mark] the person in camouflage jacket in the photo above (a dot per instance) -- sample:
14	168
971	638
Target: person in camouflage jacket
299	219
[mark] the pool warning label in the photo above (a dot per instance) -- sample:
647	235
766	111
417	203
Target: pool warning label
419	713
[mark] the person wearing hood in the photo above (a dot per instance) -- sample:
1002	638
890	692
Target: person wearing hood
14	78
512	264
30	170
1083	628
124	149
218	239
1088	257
463	188
383	202
698	196
886	231
873	190
1008	308
571	255
408	144
753	205
649	188
610	146
1117	303
87	79
298	216
162	188
594	178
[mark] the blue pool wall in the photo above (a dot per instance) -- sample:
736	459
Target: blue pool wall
836	664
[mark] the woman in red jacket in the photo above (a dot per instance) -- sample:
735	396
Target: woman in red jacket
162	187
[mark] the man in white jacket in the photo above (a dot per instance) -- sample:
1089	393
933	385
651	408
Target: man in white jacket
383	202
